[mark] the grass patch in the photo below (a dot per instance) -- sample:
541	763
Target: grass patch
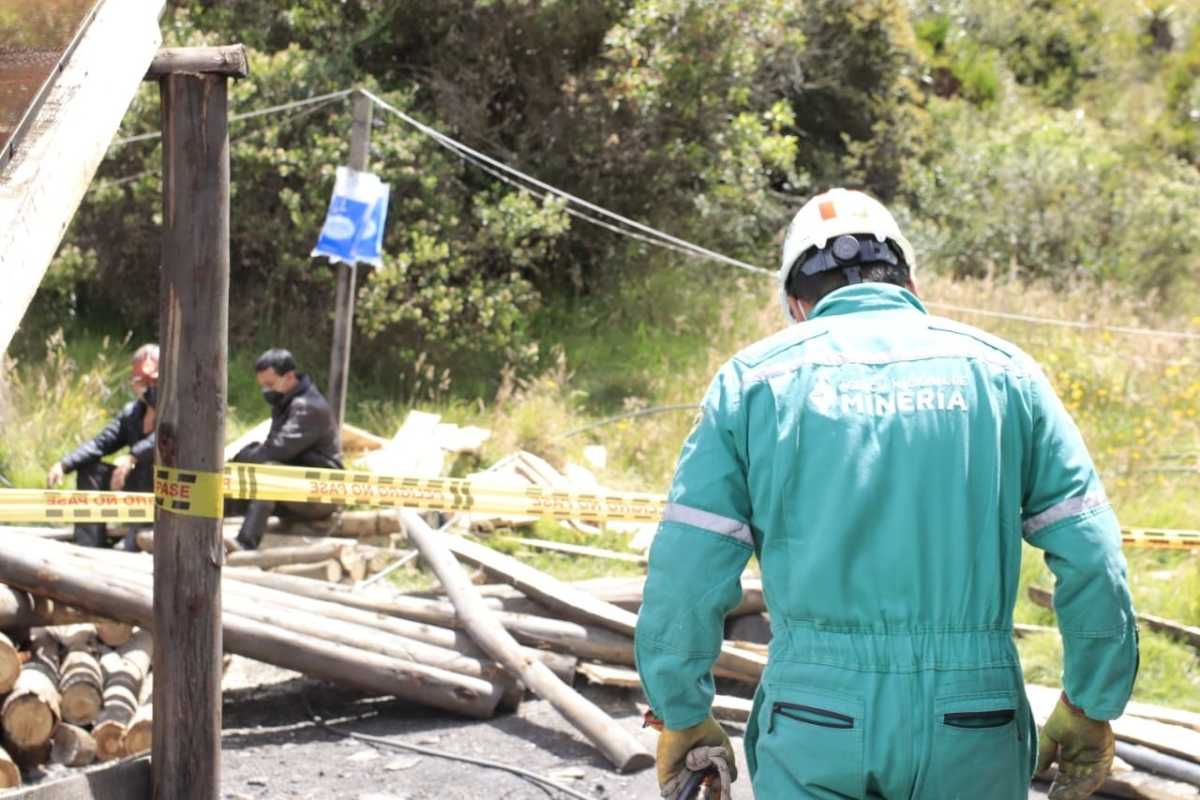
658	343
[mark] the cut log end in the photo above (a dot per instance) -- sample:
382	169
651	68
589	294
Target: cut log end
29	721
81	704
109	736
10	664
114	634
10	774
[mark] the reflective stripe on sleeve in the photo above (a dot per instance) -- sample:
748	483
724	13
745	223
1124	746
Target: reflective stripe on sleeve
1059	511
708	521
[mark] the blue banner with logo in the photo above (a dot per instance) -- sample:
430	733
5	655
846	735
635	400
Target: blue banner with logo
353	229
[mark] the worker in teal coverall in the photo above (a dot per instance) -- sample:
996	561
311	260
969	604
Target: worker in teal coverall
884	466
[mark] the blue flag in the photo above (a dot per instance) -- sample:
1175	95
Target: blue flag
353	229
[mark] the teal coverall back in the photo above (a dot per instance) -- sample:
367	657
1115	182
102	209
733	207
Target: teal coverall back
884	466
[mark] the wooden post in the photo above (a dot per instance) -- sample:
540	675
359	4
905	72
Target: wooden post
194	313
343	324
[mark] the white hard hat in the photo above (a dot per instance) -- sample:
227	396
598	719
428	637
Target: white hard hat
835	213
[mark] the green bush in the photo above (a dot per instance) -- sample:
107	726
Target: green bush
1052	195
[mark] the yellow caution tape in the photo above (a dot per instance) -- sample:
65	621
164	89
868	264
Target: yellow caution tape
189	492
1160	538
351	488
38	505
365	489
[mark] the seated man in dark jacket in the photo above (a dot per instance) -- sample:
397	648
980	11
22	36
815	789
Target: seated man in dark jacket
302	434
131	472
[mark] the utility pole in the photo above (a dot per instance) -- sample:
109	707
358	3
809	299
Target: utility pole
343	324
193	335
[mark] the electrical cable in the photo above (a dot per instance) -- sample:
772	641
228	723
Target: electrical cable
458	147
644	412
379	741
634	229
321	98
241	137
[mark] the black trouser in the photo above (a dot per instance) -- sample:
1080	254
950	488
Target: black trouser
258	511
97	477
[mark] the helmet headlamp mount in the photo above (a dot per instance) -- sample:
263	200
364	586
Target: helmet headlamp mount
848	252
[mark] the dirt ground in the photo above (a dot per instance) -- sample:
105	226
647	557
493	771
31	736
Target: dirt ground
272	748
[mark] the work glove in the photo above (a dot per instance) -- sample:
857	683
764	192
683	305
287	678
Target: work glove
1082	747
674	746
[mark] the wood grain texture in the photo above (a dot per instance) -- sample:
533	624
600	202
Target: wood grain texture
193	338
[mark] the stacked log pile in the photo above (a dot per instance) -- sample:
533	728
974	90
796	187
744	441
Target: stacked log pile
61	690
438	650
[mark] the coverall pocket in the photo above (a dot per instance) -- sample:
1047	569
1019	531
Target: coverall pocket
810	744
976	750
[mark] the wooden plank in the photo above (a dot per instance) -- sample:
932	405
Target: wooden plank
227	60
43	184
1173	740
124	780
193	318
1185	633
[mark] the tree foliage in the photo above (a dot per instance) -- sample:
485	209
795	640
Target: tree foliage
1033	137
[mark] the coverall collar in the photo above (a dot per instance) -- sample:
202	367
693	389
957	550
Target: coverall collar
870	296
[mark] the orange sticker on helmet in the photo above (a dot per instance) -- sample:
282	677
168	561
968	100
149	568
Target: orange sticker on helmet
827	210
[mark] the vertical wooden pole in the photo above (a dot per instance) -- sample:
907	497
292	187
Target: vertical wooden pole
343	324
188	550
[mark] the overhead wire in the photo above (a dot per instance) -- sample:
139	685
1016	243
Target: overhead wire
312	107
259	112
620	224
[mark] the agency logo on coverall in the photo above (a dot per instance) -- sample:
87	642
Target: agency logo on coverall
882	397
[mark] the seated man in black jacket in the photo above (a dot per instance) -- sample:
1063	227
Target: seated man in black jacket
131	472
302	434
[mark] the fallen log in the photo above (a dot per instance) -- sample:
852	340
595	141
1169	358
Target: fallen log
1175	769
725	707
582	641
10	773
81	681
328	570
575	604
622	749
42	569
10	664
358	629
31	711
21	610
72	746
283	556
627	593
1188	634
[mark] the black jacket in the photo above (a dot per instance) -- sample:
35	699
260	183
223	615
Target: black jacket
124	431
302	432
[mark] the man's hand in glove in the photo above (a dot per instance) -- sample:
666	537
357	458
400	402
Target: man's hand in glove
673	747
1082	747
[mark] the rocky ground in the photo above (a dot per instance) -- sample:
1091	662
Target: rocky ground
273	749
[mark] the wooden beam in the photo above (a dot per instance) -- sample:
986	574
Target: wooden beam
1184	633
229	61
625	752
189	550
575	604
53	164
343	324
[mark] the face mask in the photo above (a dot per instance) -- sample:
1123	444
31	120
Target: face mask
271	396
150	396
